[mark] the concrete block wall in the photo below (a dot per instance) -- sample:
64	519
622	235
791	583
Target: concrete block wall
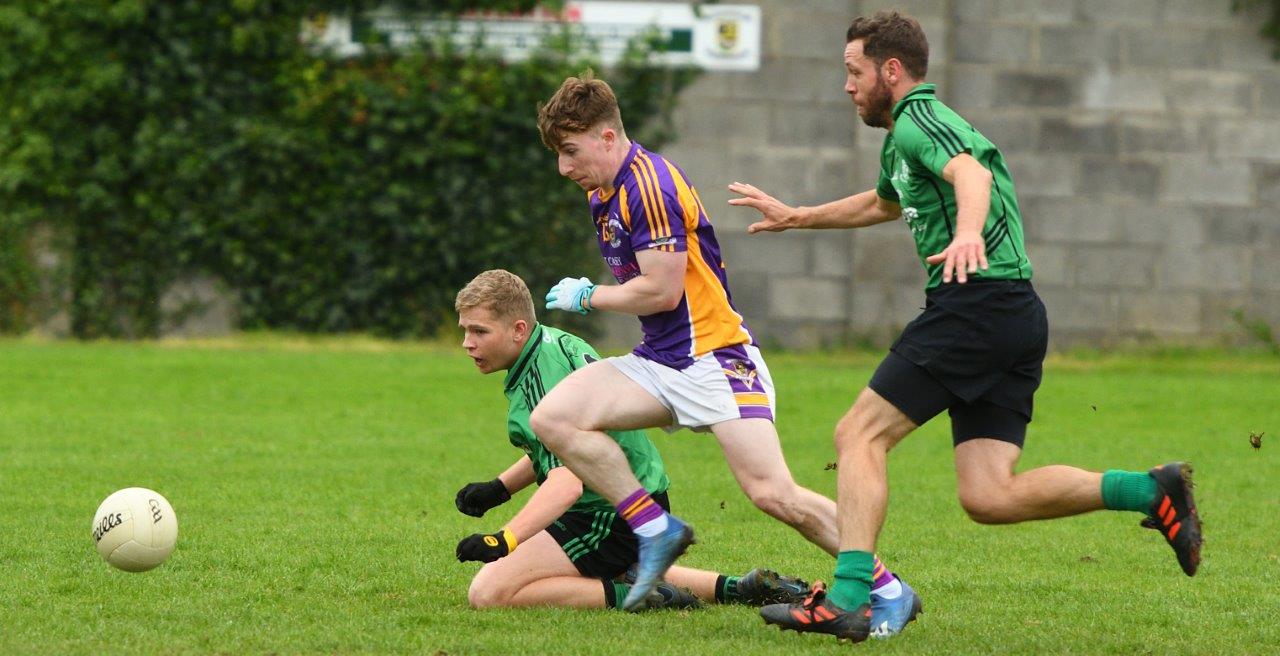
1144	138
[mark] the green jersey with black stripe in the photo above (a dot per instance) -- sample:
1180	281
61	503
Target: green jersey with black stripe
549	356
926	134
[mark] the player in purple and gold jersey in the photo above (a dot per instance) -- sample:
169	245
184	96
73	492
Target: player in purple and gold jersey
697	367
652	206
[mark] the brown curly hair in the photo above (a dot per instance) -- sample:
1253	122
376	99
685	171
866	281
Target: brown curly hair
891	35
581	104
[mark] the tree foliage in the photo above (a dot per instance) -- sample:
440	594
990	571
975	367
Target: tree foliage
165	138
1269	28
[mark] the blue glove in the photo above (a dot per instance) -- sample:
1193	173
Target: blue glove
571	295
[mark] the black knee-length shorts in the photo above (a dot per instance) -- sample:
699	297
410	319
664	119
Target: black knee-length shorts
976	351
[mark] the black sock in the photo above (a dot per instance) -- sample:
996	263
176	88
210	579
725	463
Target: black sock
727	589
720	581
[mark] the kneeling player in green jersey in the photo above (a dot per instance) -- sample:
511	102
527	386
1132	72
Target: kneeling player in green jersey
566	546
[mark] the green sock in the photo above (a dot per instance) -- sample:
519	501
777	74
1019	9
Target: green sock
853	579
614	593
727	589
1126	490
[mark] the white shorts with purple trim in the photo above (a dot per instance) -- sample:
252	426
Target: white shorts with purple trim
728	383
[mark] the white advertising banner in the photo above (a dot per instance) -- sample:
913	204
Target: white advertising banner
714	37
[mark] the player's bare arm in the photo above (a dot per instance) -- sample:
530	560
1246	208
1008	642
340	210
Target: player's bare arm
518	476
658	288
967	251
552	499
477	498
857	211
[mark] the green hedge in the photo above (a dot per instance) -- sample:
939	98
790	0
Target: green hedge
164	138
1270	28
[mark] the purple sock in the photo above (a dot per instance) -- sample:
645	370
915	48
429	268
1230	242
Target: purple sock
639	509
882	575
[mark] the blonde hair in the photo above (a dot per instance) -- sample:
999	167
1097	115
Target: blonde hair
581	104
499	291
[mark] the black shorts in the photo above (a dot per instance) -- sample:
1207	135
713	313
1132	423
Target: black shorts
599	544
978	351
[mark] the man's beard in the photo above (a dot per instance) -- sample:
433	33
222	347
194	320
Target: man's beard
879	109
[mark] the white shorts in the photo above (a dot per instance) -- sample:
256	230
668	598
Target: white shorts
727	383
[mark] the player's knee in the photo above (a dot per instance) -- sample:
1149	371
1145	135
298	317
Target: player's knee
984	506
540	421
854	432
846	433
484	595
774	501
549	424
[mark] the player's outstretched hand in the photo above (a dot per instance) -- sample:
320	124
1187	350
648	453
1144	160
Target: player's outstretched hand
484	548
571	295
966	254
776	216
476	499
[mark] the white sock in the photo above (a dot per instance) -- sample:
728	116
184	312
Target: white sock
890	590
652	527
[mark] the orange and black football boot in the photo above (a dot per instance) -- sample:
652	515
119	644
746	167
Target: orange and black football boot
818	614
1174	514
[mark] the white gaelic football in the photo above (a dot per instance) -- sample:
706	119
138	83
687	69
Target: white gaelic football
135	529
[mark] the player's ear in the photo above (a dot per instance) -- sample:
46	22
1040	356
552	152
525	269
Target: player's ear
893	70
520	330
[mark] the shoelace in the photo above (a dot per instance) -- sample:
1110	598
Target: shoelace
816	594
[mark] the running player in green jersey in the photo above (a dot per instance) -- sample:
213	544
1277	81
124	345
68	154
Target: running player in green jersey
566	546
975	351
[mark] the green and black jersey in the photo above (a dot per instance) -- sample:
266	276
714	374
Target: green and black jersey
549	356
926	134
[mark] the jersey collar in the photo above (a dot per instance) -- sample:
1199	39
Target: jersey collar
522	362
918	92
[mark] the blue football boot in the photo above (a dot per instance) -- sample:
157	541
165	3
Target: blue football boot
890	616
656	556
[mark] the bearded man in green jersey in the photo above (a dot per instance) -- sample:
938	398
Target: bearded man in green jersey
566	546
975	351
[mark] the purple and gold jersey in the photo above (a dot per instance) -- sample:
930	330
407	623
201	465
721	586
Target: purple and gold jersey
654	206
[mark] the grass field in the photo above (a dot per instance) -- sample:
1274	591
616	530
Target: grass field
313	482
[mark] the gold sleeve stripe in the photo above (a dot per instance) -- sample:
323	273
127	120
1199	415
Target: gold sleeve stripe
623	208
649	184
662	201
702	210
664	218
688	198
649	209
667	226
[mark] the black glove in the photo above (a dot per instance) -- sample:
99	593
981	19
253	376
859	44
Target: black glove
485	548
476	499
